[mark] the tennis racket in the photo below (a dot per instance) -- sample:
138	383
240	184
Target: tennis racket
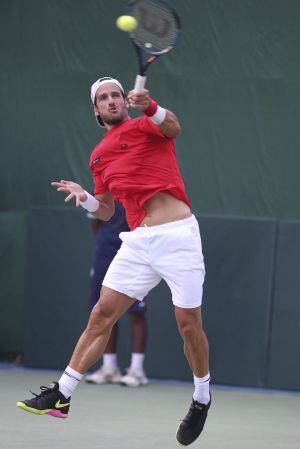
156	34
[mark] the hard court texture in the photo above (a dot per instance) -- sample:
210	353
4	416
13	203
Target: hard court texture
115	417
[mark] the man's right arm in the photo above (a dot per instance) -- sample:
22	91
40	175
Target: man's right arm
168	123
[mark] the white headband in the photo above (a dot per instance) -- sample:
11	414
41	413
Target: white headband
100	82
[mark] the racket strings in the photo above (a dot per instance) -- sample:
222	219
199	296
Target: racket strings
157	28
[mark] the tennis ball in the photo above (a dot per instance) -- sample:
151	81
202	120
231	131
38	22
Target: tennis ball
126	23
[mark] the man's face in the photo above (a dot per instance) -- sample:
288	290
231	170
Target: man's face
110	104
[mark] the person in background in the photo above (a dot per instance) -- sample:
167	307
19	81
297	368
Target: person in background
107	246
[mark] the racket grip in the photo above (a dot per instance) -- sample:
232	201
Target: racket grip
140	82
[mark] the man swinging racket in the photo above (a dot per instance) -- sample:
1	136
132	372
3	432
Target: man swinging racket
135	164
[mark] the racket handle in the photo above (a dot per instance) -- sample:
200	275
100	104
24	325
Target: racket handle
140	82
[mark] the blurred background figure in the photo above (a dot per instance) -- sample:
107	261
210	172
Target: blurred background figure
107	245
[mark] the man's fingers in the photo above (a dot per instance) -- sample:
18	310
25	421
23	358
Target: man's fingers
140	104
69	197
63	189
77	201
138	100
138	93
62	182
144	101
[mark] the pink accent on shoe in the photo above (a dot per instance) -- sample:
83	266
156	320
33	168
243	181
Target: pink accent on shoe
57	414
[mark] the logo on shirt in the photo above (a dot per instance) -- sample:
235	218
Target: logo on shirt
124	146
96	160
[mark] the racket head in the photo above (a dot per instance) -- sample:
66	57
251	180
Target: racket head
158	26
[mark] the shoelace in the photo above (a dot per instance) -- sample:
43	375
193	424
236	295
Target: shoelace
44	390
192	415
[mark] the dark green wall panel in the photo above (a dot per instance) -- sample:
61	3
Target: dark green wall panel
239	256
250	307
237	304
55	304
284	356
13	229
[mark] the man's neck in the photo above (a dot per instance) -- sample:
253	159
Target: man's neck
108	127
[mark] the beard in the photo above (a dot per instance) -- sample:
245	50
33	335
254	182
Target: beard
115	119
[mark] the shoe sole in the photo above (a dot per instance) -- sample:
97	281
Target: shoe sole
187	444
124	384
102	383
178	442
52	412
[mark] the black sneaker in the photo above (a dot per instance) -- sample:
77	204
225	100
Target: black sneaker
193	423
49	402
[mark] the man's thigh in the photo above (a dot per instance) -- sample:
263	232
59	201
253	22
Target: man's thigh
129	273
179	261
113	303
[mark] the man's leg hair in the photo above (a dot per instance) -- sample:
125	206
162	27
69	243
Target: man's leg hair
196	351
92	343
55	399
195	344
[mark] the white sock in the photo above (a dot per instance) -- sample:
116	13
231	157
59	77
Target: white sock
110	361
201	393
69	381
137	361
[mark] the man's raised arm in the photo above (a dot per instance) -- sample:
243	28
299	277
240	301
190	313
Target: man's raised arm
167	122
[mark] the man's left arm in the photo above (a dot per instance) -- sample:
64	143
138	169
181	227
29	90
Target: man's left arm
102	206
166	120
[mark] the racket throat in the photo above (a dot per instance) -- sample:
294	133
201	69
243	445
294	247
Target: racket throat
140	82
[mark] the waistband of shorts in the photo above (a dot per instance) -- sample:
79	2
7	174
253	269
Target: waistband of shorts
166	226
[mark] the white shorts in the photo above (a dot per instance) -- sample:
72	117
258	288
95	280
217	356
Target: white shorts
172	251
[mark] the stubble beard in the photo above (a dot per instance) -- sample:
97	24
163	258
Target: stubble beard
115	119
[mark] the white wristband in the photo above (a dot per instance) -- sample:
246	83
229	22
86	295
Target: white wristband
90	204
159	115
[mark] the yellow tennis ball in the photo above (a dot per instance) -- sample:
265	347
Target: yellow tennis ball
126	23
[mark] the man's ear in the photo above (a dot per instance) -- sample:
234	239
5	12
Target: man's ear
96	112
97	115
127	104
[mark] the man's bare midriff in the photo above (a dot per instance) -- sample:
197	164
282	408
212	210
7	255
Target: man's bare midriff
164	208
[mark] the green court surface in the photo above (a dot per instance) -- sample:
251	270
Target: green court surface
114	417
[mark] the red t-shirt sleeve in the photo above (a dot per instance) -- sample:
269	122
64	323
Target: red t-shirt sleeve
146	125
100	187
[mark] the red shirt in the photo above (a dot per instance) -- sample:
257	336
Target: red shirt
134	160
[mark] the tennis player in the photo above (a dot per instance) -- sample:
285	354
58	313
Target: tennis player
135	164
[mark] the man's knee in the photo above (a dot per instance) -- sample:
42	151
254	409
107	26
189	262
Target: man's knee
189	330
189	322
101	319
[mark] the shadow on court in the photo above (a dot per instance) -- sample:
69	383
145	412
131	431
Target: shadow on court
114	417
